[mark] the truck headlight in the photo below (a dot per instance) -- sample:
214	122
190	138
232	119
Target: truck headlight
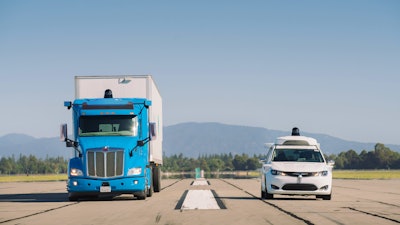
135	171
277	172
75	172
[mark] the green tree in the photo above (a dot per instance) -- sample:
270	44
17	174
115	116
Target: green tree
384	156
253	163
352	159
6	165
216	164
240	162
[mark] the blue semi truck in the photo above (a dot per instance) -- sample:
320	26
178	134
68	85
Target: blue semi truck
117	137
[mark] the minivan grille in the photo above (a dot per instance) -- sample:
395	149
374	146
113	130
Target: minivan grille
299	187
108	163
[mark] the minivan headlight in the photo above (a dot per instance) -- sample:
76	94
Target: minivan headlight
277	172
322	173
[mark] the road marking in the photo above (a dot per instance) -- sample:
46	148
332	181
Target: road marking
200	183
200	199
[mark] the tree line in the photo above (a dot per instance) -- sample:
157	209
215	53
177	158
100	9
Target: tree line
208	163
32	165
381	157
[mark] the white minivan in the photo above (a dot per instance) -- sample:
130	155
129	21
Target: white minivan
295	165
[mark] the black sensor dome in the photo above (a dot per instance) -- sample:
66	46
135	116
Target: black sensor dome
108	94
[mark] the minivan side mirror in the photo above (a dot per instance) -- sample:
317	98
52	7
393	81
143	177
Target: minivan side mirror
268	145
331	163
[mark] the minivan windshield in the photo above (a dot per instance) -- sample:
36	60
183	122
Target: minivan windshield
109	125
297	155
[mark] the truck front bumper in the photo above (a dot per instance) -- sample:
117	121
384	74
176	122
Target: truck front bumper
89	186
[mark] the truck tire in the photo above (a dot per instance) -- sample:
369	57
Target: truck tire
72	197
142	195
157	178
151	189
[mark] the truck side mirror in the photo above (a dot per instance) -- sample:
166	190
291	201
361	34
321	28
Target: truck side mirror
153	131
63	132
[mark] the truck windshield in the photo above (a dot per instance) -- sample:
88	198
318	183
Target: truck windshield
115	125
297	155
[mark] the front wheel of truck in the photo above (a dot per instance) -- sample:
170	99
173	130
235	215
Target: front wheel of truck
141	195
72	197
150	191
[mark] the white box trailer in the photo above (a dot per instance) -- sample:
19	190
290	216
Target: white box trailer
127	86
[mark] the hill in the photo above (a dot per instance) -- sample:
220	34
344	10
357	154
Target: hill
16	144
190	139
194	139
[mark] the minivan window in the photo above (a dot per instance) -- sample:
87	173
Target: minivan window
297	155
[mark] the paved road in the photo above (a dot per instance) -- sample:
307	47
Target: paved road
353	202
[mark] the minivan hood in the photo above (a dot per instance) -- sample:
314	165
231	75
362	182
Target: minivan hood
299	166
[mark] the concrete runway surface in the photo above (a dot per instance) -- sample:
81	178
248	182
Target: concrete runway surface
233	201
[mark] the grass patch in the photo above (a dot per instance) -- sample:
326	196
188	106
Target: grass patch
337	174
366	174
33	178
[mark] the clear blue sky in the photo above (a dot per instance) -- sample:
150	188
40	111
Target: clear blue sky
330	67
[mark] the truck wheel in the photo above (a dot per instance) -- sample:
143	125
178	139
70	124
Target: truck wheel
72	197
142	195
157	178
150	190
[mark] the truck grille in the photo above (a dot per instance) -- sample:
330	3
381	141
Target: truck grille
108	163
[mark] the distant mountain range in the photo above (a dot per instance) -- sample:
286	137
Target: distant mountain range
194	139
190	139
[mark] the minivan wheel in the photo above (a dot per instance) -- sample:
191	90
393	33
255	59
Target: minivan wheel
325	197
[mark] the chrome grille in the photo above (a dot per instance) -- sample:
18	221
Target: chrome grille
108	163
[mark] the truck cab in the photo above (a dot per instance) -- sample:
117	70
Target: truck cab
112	147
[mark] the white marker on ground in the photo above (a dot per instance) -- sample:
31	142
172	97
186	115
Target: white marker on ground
200	199
200	182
